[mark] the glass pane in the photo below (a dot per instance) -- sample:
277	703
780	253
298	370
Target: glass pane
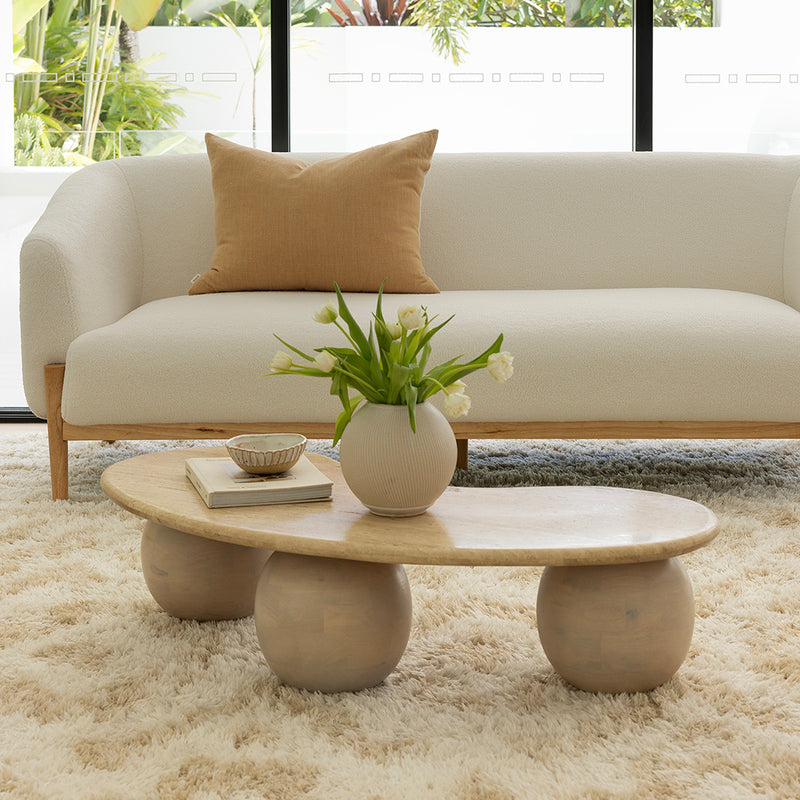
36	145
732	87
221	77
156	143
193	71
522	79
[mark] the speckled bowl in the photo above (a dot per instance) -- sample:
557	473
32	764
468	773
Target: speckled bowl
266	453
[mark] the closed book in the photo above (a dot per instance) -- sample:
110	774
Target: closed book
222	483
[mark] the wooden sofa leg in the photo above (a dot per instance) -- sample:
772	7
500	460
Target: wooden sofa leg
462	453
59	447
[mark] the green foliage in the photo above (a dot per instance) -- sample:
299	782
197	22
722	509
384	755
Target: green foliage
448	20
130	101
134	102
171	13
52	37
666	13
304	12
372	12
32	146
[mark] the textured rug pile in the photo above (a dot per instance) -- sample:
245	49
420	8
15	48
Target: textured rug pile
102	695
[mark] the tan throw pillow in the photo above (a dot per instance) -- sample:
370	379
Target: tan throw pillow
283	224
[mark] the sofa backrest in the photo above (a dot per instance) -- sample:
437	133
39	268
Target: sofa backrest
533	220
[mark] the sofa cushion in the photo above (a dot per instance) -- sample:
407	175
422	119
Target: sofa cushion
284	224
623	354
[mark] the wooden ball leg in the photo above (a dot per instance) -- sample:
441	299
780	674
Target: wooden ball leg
332	625
192	577
621	628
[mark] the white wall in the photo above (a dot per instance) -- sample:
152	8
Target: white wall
23	197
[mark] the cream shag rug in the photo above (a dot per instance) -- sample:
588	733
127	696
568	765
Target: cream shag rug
105	696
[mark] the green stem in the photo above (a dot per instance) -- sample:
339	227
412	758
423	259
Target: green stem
99	58
403	341
93	31
27	92
347	335
41	32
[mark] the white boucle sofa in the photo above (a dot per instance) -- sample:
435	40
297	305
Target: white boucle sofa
642	295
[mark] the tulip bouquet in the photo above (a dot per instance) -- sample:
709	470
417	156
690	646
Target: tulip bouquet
389	363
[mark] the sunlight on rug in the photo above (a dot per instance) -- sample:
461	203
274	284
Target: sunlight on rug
105	696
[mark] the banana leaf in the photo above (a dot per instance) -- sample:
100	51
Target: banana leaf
23	11
138	13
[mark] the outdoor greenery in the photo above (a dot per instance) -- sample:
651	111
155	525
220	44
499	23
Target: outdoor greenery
34	146
78	80
242	13
82	93
448	20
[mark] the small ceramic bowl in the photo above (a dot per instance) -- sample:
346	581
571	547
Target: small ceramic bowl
266	453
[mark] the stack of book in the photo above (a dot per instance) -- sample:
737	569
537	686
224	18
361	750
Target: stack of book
222	484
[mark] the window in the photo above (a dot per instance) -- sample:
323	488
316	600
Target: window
528	86
734	87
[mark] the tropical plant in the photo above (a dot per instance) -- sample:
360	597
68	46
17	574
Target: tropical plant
103	33
196	12
33	146
379	12
80	98
619	13
448	20
388	364
29	24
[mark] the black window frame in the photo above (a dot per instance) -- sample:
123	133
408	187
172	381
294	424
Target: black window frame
642	96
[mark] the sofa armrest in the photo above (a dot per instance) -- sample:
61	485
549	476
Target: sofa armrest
80	269
791	252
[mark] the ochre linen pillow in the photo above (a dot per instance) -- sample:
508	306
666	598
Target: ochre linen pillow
284	224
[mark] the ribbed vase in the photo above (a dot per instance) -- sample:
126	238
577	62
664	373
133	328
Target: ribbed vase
393	471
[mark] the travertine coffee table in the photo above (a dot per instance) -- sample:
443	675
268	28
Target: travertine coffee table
615	608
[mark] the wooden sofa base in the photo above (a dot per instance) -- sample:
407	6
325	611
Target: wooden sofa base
60	433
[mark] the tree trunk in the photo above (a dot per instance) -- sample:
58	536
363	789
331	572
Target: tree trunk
571	10
128	44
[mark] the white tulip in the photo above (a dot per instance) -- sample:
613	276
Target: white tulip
395	329
326	314
456	405
325	361
281	361
411	317
456	387
500	366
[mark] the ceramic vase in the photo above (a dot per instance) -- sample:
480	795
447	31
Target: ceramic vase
392	470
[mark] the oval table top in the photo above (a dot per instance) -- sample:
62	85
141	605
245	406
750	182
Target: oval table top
512	526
